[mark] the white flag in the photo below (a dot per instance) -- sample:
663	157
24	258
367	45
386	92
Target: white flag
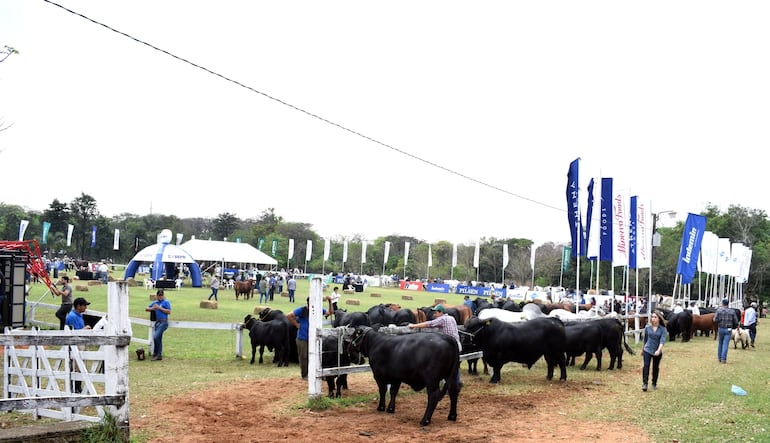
326	249
344	251
116	240
406	252
387	252
723	258
745	265
430	257
291	248
643	234
454	255
309	250
363	252
476	255
22	228
70	228
505	256
620	218
532	251
179	236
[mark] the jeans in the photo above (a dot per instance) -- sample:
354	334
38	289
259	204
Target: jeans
752	331
291	295
265	296
214	294
723	337
157	337
655	367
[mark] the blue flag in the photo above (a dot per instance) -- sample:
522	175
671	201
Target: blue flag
692	237
632	233
573	210
605	249
589	214
93	236
46	228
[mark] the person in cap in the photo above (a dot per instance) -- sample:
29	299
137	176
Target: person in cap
75	317
726	320
162	309
750	321
66	300
446	323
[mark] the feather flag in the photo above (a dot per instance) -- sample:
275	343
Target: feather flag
291	248
344	251
454	255
70	228
532	251
632	232
476	255
179	237
22	228
573	209
363	252
643	234
506	258
326	249
406	253
387	252
116	240
93	236
620	228
593	216
309	250
46	228
430	257
605	221
692	236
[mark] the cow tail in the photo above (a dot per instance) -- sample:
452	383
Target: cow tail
628	348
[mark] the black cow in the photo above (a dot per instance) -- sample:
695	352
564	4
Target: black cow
584	337
350	319
268	314
380	315
335	354
469	347
523	342
273	334
432	357
614	340
480	304
679	323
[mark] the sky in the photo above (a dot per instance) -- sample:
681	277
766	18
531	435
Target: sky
441	120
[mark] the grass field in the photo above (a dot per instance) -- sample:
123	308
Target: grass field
693	403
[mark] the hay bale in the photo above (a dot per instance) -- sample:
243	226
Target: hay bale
258	309
407	297
208	304
81	288
439	301
284	294
152	297
94	283
375	294
352	301
132	283
349	291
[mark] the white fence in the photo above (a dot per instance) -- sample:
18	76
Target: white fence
42	368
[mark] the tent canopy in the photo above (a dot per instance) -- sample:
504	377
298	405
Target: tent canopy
164	258
212	250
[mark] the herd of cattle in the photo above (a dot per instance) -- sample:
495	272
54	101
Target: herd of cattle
425	360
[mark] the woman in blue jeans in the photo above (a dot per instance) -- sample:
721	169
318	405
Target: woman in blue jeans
654	338
161	308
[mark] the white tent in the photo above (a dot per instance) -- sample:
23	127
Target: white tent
212	250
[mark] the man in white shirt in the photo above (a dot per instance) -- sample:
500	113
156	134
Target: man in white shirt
678	308
750	321
694	308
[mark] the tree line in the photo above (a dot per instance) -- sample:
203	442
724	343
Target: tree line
739	224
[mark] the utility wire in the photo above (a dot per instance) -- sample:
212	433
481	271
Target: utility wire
296	108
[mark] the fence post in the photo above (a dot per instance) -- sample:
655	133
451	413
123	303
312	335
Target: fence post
314	338
116	357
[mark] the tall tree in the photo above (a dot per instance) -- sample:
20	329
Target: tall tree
84	213
224	225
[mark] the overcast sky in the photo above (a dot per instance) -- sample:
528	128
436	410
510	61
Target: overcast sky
441	120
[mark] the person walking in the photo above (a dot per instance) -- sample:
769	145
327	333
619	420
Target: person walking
263	291
652	348
448	326
66	300
162	309
750	321
335	297
300	318
214	287
291	286
726	320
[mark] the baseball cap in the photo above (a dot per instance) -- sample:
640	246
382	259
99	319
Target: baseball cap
439	308
725	302
80	301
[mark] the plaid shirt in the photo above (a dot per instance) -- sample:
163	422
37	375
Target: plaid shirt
726	318
448	326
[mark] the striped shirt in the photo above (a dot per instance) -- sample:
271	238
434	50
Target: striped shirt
448	326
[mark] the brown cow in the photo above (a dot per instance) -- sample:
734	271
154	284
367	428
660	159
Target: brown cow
244	287
704	323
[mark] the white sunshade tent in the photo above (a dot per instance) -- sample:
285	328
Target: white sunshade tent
231	252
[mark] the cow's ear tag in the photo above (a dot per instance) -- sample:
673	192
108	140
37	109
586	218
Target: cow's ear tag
488	322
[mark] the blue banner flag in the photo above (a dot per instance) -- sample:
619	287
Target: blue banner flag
632	233
692	237
589	214
605	246
93	236
573	209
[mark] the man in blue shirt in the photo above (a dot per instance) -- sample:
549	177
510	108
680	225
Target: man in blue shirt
300	318
162	309
75	317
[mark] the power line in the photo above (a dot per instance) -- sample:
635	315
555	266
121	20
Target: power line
296	108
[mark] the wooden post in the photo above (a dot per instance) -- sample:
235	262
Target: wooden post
116	357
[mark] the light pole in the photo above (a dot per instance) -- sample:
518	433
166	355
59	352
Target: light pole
655	243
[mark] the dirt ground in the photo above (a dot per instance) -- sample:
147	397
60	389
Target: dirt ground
267	411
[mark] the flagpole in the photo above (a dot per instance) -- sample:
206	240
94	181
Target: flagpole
561	268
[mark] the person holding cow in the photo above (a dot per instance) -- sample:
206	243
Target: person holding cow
300	318
750	321
162	308
448	326
652	351
727	320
